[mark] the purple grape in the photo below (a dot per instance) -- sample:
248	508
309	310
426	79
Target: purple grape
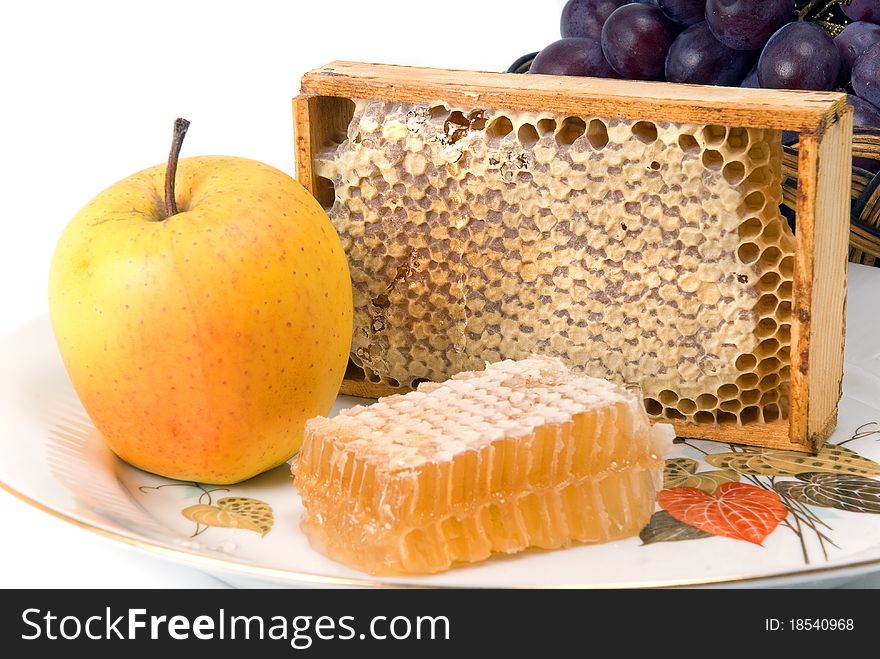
866	76
866	115
747	24
635	40
573	57
585	18
751	79
869	164
684	12
653	3
855	40
799	56
699	58
862	10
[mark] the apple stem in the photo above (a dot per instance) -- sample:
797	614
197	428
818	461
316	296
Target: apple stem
180	128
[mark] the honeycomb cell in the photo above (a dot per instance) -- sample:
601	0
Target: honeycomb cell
755	201
714	135
748	252
653	407
784	334
767	304
747	380
750	228
687	406
712	159
746	362
645	252
766	327
688	143
727	392
767	348
707	401
527	135
770	233
726	417
500	127
546	126
769	282
769	382
759	176
644	131
734	172
784	290
770	257
597	134
737	139
759	153
768	365
786	267
771	413
668	398
571	129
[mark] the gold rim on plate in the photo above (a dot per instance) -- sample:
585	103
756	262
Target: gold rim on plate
256	571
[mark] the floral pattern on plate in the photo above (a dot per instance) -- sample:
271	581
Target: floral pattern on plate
228	512
752	492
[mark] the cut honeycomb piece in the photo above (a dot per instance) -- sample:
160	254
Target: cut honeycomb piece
522	454
637	251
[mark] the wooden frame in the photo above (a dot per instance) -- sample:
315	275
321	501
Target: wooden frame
824	122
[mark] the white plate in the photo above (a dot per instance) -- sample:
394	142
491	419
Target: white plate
53	458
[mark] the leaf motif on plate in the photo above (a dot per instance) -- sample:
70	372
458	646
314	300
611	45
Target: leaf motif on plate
233	513
682	472
831	460
736	510
663	527
855	494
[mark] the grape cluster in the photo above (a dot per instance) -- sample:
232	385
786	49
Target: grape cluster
749	43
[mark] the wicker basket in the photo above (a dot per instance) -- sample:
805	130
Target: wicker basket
864	236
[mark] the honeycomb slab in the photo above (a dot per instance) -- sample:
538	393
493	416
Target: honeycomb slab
522	454
640	252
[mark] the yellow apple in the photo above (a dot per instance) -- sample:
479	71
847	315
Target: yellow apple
201	332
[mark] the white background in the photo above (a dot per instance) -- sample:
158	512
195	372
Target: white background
89	93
